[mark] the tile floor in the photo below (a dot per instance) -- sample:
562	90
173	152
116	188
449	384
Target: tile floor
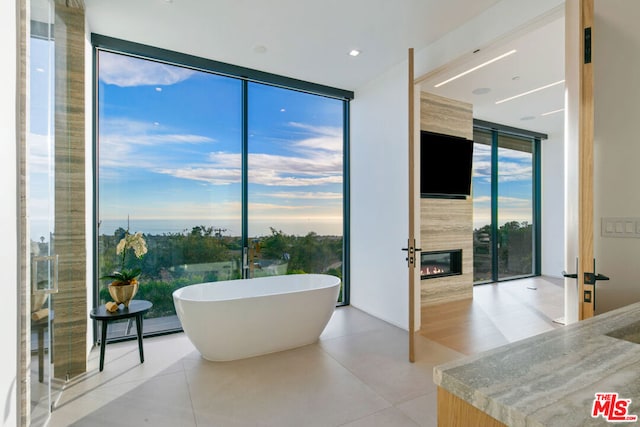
357	374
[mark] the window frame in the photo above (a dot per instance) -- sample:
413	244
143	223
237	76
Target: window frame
109	44
496	130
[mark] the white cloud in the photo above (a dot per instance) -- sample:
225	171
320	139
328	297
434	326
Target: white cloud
222	176
482	169
40	153
306	195
504	201
325	137
507	171
514	201
113	131
122	137
511	171
126	71
313	161
482	199
262	208
523	156
513	165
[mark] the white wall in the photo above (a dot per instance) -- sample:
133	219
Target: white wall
616	62
379	197
552	205
379	162
8	217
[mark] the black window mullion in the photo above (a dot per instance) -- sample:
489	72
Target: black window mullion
245	175
346	265
494	206
537	208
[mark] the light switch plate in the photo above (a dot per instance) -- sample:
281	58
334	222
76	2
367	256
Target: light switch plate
620	227
609	227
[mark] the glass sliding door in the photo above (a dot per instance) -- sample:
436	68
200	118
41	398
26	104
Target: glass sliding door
295	169
40	190
505	204
515	207
169	166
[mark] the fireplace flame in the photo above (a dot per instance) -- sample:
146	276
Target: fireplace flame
428	270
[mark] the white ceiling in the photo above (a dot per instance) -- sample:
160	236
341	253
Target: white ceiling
310	40
304	39
539	61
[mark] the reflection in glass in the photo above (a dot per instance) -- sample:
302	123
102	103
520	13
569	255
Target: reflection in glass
41	210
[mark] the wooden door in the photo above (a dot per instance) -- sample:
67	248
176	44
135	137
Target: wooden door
586	281
581	242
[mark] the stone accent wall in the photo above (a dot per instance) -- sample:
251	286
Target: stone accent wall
447	223
70	303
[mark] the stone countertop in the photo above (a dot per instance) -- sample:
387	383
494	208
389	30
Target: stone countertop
551	379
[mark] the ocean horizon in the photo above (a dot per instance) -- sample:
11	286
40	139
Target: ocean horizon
40	229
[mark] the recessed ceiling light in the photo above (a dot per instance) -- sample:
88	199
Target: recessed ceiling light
260	49
538	89
354	52
525	118
481	91
477	67
514	78
282	110
552	112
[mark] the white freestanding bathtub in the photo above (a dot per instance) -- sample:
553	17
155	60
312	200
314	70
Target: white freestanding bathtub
235	319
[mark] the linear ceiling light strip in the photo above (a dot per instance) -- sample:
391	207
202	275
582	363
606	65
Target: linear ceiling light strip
552	112
477	67
529	92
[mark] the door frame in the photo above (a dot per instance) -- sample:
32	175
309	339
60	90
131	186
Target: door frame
586	291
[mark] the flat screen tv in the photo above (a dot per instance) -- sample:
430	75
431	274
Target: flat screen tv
445	165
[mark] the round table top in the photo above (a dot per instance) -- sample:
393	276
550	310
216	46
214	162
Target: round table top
136	307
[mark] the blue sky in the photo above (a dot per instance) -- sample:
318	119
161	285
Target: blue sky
170	143
514	186
40	140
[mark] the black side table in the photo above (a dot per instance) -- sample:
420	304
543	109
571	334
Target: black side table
137	309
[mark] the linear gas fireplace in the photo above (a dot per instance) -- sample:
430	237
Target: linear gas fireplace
440	263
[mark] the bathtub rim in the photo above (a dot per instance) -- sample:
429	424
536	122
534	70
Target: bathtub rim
177	294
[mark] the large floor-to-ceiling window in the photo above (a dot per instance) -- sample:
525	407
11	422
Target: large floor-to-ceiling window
506	203
225	176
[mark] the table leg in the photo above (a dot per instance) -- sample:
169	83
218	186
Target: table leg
103	343
41	353
139	330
